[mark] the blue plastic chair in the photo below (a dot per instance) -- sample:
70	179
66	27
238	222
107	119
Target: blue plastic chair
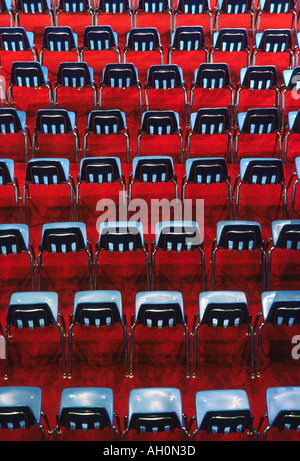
293	128
235	7
257	171
87	408
282	409
156	169
185	9
296	175
75	75
53	122
290	87
99	170
275	41
34	310
177	236
13	121
121	76
155	7
141	39
64	237
209	77
223	411
285	236
278	308
14	240
21	408
186	39
207	171
15	39
210	121
48	172
58	39
29	75
97	309
277	7
223	309
121	236
159	309
7	11
8	178
259	121
34	7
108	123
231	40
155	410
160	123
167	77
100	38
253	79
83	7
238	236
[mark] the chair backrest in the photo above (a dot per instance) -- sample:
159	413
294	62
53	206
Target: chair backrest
63	238
239	235
74	6
106	122
193	6
292	78
143	39
160	122
14	239
6	6
36	312
275	40
277	6
121	236
261	120
153	6
295	125
97	308
262	171
47	171
29	74
6	171
259	77
177	236
231	40
114	6
10	121
206	170
159	309
74	74
188	38
212	75
235	6
281	307
53	121
14	39
60	38
211	121
283	407
155	409
286	234
166	76
153	169
123	75
224	309
98	38
100	169
33	6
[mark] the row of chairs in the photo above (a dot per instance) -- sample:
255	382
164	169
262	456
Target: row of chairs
205	123
151	410
149	170
170	236
153	309
174	12
142	39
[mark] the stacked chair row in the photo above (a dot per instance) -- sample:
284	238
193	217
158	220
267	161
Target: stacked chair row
151	410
